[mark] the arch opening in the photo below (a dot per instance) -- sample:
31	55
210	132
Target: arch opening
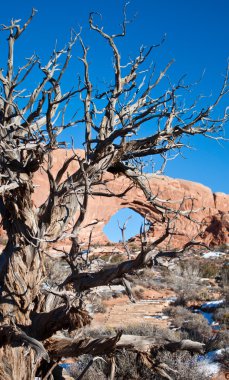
134	221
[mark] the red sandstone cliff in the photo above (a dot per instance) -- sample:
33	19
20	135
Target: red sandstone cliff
212	208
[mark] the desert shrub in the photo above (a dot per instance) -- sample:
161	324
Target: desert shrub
197	328
185	281
225	294
183	297
181	300
203	294
148	279
223	338
209	269
110	244
145	329
189	273
111	257
134	246
192	326
222	316
223	358
128	367
116	258
218	341
98	305
138	293
142	329
139	329
102	331
186	365
98	370
225	275
224	282
106	257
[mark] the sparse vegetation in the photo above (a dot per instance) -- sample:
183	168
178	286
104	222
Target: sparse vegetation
185	281
221	315
209	269
192	325
43	303
129	366
151	330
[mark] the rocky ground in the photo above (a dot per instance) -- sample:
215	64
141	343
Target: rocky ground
120	312
197	277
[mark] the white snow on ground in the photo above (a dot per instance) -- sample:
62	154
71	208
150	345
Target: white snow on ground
222	351
208	368
213	356
218	353
156	316
209	255
208	363
212	304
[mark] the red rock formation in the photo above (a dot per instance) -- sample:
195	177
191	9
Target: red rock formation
214	220
212	210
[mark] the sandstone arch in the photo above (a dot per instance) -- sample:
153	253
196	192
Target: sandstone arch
211	206
126	218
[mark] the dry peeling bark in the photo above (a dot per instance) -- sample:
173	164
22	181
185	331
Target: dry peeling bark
64	347
30	123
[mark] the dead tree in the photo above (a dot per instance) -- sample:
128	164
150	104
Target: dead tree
31	122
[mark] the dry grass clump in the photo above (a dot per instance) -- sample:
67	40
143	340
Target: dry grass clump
192	326
129	366
209	269
147	329
150	278
98	371
221	315
186	365
186	280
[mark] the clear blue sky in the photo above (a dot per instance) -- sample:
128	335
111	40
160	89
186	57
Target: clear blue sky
197	37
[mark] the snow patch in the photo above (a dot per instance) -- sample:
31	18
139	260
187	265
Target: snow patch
162	317
210	255
209	368
212	305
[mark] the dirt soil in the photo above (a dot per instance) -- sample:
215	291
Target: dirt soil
122	313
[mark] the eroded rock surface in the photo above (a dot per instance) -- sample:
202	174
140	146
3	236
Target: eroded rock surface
209	217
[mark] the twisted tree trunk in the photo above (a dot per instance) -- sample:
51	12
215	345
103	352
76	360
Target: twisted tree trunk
29	127
21	275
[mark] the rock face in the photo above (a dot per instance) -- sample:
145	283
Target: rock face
209	218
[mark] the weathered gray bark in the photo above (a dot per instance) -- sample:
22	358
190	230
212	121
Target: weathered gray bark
58	347
21	272
29	316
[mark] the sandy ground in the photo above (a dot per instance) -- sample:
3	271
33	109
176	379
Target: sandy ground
122	313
